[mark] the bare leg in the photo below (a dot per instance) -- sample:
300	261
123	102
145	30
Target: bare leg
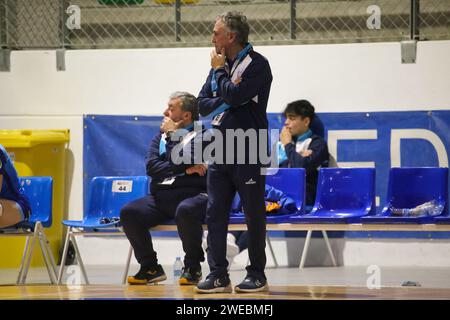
11	213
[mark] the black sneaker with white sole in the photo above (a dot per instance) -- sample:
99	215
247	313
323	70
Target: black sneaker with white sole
252	284
214	285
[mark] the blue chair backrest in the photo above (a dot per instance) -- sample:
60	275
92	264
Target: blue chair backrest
235	205
410	187
317	127
39	191
291	181
346	189
107	195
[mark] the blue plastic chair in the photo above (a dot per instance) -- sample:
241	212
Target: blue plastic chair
107	195
344	195
105	203
39	192
410	187
289	180
444	217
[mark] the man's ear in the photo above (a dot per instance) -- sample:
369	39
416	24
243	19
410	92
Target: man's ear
231	37
187	116
308	121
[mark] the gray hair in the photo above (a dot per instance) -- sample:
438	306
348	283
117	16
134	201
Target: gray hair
188	103
236	22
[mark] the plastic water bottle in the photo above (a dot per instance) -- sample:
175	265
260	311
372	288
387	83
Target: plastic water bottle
430	208
177	268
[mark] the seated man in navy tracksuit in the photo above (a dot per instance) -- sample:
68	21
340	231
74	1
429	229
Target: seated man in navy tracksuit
298	147
177	191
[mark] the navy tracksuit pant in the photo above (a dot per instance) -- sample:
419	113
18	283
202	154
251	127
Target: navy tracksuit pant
223	181
186	206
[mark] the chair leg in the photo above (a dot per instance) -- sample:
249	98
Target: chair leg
46	259
80	261
24	257
127	267
271	250
64	255
45	253
46	248
330	251
49	251
305	249
28	260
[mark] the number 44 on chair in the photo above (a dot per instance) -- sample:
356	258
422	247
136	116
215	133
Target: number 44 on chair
122	186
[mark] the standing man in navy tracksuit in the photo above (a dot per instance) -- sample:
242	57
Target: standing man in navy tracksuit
235	95
178	191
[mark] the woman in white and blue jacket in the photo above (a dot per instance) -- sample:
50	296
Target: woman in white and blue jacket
299	147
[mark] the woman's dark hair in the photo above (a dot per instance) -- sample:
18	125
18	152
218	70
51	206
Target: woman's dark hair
301	108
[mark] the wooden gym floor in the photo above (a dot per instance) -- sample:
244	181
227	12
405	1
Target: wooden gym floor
163	291
325	283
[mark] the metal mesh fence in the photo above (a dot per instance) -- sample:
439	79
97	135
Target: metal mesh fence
340	21
31	23
434	19
82	24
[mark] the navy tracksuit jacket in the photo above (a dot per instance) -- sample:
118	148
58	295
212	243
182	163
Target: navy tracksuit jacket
319	158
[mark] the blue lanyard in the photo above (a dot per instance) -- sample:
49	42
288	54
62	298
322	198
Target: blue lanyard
241	55
162	141
224	106
304	136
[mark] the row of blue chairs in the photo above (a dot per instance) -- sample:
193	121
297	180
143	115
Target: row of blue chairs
344	195
347	195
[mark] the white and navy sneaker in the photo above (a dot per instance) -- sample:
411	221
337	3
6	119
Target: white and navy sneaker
252	284
214	285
